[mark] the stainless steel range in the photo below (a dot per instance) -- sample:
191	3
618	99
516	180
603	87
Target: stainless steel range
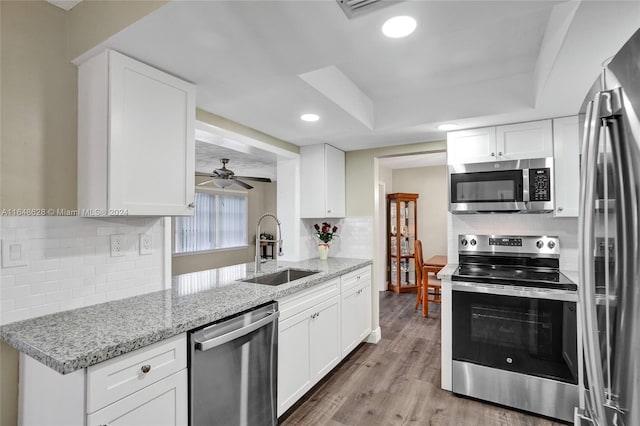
514	324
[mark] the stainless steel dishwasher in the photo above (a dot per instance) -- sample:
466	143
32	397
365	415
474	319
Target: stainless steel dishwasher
233	370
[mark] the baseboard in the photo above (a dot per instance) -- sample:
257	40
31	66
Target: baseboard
375	336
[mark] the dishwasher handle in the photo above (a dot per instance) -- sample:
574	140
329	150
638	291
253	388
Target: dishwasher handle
220	340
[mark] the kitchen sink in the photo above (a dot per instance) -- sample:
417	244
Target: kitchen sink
281	277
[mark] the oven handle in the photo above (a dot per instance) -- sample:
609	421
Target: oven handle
529	293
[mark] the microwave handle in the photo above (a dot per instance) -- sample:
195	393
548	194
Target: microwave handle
525	186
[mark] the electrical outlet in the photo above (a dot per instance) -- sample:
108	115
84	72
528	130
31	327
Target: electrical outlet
145	243
117	245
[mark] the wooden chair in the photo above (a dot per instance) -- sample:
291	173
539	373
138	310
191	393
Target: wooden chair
417	256
428	290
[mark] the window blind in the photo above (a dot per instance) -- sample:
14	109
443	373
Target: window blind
219	221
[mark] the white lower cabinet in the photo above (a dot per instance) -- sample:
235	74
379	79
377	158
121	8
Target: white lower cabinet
163	403
356	308
317	329
145	387
308	341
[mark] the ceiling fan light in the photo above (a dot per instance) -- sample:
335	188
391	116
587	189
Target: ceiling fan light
222	183
399	26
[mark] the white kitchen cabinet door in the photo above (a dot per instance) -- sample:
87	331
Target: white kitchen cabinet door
471	146
356	309
325	338
294	359
566	156
163	403
335	173
308	343
322	180
520	141
136	139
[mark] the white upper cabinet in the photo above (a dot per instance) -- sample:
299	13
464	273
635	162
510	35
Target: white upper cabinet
322	181
136	139
524	140
566	138
500	143
471	146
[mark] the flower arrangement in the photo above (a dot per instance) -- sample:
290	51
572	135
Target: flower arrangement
326	233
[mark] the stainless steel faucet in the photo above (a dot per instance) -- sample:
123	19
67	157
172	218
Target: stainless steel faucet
259	240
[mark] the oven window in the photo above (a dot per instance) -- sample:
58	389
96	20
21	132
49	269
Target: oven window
524	335
527	329
487	187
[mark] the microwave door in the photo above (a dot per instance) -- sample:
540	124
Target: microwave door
487	191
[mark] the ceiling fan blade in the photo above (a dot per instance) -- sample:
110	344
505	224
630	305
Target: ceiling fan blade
257	179
241	183
205	182
204	174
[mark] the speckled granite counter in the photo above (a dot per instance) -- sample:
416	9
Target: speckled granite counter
446	272
75	339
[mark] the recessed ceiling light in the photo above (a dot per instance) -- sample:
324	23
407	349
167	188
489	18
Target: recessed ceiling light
399	26
309	117
448	126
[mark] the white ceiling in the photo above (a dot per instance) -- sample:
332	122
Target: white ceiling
263	63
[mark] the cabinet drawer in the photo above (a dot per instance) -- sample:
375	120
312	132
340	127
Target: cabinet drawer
297	303
112	380
161	403
354	278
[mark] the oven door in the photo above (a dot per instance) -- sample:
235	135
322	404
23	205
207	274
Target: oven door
532	332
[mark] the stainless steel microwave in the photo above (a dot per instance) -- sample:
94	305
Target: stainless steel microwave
524	186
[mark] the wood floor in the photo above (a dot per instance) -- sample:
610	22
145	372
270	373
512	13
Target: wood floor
397	381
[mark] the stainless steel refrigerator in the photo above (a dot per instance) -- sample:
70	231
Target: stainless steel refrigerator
609	242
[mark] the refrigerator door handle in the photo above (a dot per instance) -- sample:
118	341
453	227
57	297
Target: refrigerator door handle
586	292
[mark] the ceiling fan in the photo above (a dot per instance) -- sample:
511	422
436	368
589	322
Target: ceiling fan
224	177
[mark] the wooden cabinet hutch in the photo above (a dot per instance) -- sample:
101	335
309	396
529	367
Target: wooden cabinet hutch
402	231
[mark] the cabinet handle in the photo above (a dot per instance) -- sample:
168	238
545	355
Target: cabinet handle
145	368
500	154
493	154
560	209
192	205
328	211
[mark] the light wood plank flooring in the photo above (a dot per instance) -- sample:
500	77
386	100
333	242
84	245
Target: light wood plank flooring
397	381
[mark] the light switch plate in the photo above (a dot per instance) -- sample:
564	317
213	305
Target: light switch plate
13	254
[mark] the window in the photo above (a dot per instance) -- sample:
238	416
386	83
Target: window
219	221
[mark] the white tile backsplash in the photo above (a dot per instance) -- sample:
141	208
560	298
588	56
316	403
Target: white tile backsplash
69	265
355	238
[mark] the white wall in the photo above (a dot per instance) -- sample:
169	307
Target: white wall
430	183
69	264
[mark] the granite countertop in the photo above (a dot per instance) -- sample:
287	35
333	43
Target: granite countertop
71	340
446	272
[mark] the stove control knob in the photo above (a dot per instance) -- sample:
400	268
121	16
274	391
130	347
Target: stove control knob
551	244
463	242
539	244
472	242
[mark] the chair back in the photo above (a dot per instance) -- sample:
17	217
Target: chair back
417	256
